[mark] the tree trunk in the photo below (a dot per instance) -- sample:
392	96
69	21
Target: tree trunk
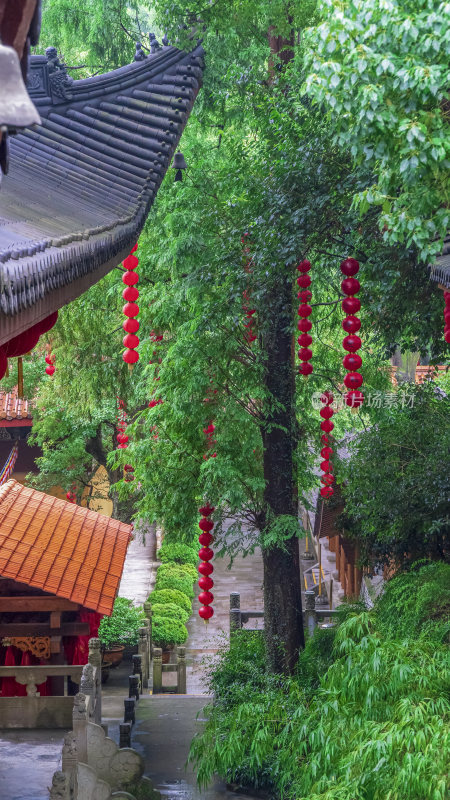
283	619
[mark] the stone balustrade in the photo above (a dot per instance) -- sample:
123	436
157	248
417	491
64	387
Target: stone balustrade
159	668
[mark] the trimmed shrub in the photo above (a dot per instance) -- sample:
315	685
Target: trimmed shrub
167	632
171	568
170	610
175	576
166	596
178	553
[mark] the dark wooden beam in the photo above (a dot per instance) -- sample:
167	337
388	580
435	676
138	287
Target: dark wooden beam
44	629
21	604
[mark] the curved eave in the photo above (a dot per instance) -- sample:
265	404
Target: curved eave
81	184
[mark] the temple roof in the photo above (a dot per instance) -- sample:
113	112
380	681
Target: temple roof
440	271
80	185
60	547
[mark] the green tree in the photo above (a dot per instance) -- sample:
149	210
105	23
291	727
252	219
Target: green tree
381	71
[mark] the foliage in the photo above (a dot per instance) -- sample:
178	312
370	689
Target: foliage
181	570
175	580
178	552
395	482
366	716
170	610
167	631
381	69
169	596
122	627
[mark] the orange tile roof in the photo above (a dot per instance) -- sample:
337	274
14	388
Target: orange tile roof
60	547
12	407
425	372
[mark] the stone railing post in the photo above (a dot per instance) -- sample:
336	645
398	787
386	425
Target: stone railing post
143	655
129	710
69	753
138	669
125	734
148	619
60	788
157	670
310	611
133	686
235	611
181	670
95	658
80	725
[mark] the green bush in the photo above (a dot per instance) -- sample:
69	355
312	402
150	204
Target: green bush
174	576
172	568
122	627
365	717
179	553
167	632
166	596
170	610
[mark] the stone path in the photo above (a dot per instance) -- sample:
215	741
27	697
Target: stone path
28	760
137	577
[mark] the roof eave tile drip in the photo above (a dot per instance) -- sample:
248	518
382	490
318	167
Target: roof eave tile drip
81	184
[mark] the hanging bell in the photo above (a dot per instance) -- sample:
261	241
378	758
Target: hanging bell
16	109
179	164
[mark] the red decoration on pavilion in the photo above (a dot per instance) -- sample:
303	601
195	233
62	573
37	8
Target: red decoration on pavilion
130	294
447	316
326	426
304	324
351	325
71	496
50	361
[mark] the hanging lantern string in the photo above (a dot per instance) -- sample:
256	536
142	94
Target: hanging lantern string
326	426
304	325
351	324
205	567
131	309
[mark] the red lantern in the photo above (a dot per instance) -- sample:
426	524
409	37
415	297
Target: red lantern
327	425
304	310
304	281
205	598
304	325
130	325
325	439
131	309
130	356
130	293
354	399
305	354
122	438
206	510
327	479
304	266
131	262
351	324
326	466
306	368
326	398
351	343
326	452
205	612
130	340
304	295
304	340
350	267
206	524
351	305
326	413
205	539
352	361
130	278
50	370
350	286
353	380
206	584
326	491
205	569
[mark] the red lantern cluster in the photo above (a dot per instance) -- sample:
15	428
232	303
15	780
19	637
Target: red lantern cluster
351	325
304	324
250	322
50	361
327	426
122	439
131	309
205	568
447	316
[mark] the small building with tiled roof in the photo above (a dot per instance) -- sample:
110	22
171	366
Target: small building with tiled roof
15	411
60	570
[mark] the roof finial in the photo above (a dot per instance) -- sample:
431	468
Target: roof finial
165	40
154	44
139	54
